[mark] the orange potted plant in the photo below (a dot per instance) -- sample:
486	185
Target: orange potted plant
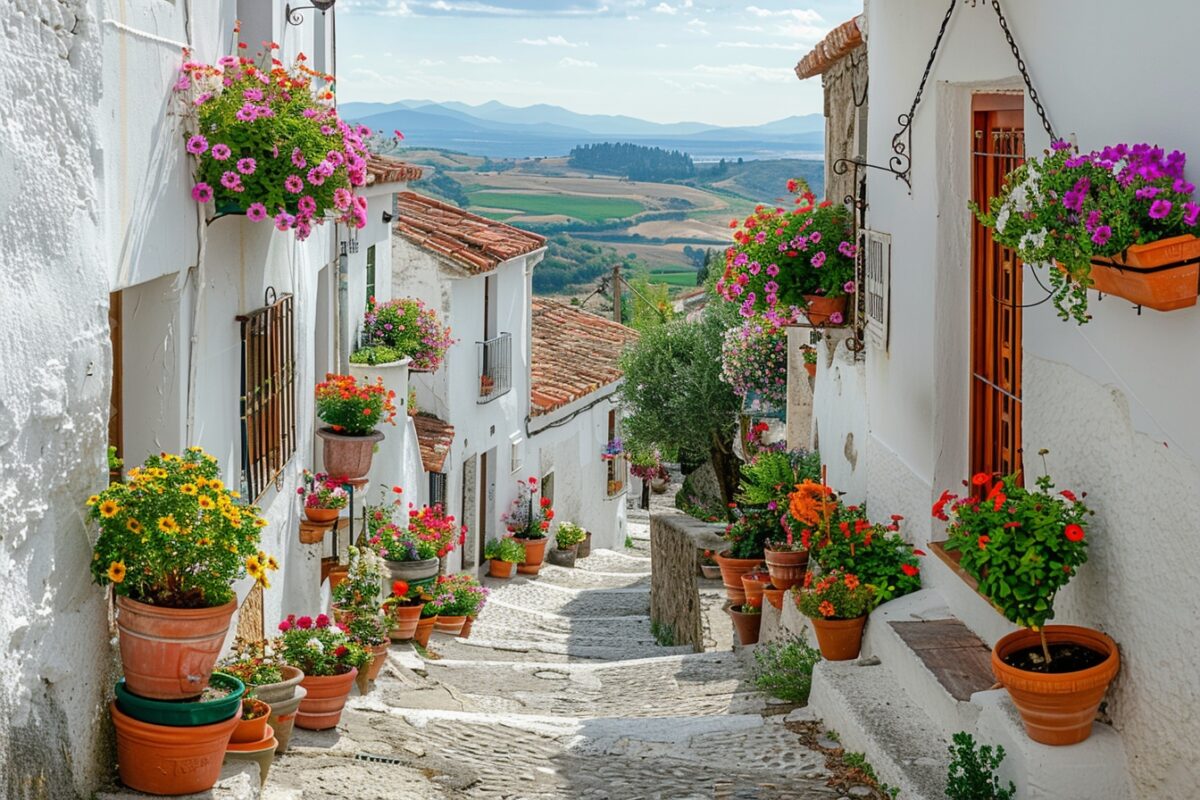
503	556
322	497
330	661
1023	546
747	620
403	609
270	680
837	604
351	411
528	520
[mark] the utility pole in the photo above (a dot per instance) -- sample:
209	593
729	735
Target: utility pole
616	290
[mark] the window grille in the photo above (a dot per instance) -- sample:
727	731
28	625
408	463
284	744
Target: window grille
370	273
495	367
268	401
437	489
877	273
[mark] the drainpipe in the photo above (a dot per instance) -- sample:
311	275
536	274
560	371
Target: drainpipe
343	306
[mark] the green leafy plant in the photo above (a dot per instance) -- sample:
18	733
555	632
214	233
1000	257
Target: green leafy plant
876	553
568	534
507	549
367	626
809	355
748	534
529	517
352	408
784	669
972	771
1022	546
376	354
173	535
361	587
318	647
836	595
456	596
253	663
771	476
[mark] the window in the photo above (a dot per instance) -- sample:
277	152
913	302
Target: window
515	455
268	402
495	367
877	270
370	273
617	472
548	486
437	489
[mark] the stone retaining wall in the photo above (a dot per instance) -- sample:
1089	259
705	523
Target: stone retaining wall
675	544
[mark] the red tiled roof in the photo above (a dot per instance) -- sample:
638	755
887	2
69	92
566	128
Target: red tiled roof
434	438
836	45
473	242
575	353
385	169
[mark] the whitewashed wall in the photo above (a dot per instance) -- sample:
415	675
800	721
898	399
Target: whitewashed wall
1112	401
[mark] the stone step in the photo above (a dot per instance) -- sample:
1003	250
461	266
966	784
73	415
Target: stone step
536	597
592	579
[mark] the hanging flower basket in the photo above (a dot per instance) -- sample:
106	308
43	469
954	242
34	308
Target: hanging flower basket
1162	275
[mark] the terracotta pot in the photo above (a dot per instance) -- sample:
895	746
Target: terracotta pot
449	624
322	708
251	730
283	717
424	628
535	554
311	532
811	369
348	458
819	308
786	567
1057	709
163	759
466	628
839	639
323	516
747	625
732	570
711	571
404	621
274	694
753	584
584	548
169	653
1142	275
501	569
774	596
379	654
337	574
562	556
261	752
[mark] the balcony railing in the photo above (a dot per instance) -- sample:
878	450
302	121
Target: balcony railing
495	367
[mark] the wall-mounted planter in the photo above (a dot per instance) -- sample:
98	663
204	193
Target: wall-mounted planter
1163	275
819	309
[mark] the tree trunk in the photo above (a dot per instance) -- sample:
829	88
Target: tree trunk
726	467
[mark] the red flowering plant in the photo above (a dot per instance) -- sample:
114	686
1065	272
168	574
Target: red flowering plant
267	140
429	532
320	491
837	594
529	517
1021	545
318	647
352	408
780	256
432	526
404	596
877	554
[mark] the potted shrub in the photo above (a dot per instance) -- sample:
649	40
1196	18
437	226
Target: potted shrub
810	361
370	630
403	608
412	553
351	411
172	542
528	520
428	619
330	661
406	329
455	599
567	538
322	497
708	565
475	598
837	604
356	605
787	558
1023	546
877	554
503	556
747	620
754	360
1120	220
745	536
789	265
647	465
268	143
271	680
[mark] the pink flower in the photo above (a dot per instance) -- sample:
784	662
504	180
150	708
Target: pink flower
819	259
246	166
247	113
304	622
253	94
284	220
848	287
257	212
342	198
285	626
294	184
202	99
322	621
232	181
316	177
202	192
836	318
197	145
307	205
221	152
298	159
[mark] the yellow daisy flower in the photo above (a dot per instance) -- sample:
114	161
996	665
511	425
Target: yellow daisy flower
109	509
91	501
262	581
272	564
133	525
206	502
168	524
202	481
216	484
234	493
204	541
253	565
116	571
188	488
259	522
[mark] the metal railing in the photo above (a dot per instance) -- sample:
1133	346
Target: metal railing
495	367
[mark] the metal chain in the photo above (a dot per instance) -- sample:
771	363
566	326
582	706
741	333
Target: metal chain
1033	95
932	56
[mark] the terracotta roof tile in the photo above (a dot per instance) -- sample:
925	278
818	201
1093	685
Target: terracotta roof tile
434	438
574	354
836	45
475	243
385	169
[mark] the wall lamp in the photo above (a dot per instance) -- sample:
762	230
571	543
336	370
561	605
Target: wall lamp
387	217
293	16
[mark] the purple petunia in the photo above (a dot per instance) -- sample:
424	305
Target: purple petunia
1101	235
307	205
221	152
1160	209
284	220
1190	213
257	212
848	287
294	184
197	144
836	318
232	181
818	260
246	166
202	193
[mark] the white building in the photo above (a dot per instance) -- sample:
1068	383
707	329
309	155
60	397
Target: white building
131	319
975	375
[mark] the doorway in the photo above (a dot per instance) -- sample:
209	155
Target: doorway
998	146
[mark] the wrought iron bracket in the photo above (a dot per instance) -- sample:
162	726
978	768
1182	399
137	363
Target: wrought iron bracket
292	16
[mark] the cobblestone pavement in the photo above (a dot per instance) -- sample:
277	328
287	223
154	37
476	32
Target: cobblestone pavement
560	692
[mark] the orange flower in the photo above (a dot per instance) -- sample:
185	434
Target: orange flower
851	582
826	608
116	571
811	503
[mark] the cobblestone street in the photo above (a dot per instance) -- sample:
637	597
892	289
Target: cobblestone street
561	692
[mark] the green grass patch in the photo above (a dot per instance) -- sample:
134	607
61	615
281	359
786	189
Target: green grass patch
584	209
674	278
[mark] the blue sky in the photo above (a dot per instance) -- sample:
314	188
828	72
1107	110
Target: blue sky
664	60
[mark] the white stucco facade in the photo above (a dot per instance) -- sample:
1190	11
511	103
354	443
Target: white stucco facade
1112	401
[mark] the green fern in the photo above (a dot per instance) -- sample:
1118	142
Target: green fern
770	476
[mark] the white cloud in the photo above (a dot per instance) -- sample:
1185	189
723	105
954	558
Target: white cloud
479	59
808	15
575	62
751	28
663	8
759	45
430	62
697	26
357	57
552	41
396	8
747	71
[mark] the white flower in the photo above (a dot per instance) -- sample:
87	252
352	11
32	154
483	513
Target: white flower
315	644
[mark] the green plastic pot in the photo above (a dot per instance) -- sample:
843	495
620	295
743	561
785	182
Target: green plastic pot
185	713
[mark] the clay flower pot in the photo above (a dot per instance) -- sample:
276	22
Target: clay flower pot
535	554
312	532
165	759
261	751
466	628
711	571
348	458
337	574
786	567
424	628
819	309
323	516
563	556
251	730
369	673
283	717
584	548
753	584
322	708
732	570
449	624
404	621
411	572
169	653
1142	275
774	596
811	369
501	569
1057	708
839	639
747	625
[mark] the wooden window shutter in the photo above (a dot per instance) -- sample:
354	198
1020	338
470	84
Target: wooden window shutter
877	278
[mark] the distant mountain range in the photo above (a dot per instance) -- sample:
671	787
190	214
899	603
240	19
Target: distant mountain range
500	131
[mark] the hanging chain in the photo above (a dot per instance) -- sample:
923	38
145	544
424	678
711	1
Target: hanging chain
1033	95
932	56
